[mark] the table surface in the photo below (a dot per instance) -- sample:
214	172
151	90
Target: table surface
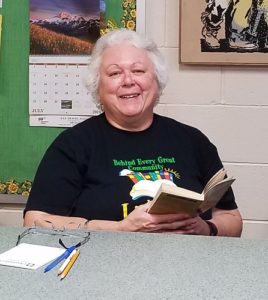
146	266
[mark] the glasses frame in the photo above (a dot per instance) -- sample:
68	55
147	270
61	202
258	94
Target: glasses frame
84	235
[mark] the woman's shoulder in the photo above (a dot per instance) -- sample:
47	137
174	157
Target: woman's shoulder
81	131
172	124
90	123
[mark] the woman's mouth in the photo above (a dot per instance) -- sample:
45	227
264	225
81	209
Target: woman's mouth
129	96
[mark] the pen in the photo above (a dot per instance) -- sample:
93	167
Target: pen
63	266
59	259
70	264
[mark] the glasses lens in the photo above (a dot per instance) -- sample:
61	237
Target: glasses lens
51	237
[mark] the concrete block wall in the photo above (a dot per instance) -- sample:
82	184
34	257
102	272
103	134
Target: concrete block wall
228	103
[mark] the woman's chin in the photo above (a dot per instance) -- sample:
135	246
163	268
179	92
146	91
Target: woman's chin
131	112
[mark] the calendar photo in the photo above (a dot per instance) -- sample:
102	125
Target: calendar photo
64	27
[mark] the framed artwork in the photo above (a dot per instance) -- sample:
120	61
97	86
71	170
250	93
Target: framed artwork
122	13
224	32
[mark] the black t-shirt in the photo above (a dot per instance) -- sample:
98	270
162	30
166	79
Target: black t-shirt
91	169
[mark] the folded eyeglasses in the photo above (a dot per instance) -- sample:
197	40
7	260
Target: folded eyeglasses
83	236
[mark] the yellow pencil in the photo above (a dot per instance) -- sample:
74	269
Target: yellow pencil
64	265
70	264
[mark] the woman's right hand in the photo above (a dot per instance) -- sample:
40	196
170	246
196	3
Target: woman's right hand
140	220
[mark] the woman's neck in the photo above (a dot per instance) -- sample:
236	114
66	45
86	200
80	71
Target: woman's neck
131	123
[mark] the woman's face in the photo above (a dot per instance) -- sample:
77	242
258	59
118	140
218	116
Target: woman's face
128	87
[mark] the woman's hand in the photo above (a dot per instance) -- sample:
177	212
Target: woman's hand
140	220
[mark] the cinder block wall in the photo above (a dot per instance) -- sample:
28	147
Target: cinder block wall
229	104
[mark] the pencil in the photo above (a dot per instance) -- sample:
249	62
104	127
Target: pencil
64	265
69	265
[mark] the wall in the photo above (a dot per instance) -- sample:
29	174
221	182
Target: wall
229	104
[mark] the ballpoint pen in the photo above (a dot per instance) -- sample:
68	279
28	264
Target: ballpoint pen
59	259
69	265
64	265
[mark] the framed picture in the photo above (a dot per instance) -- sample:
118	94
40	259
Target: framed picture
224	32
123	13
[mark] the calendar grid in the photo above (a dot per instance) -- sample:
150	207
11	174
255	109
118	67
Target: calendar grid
58	95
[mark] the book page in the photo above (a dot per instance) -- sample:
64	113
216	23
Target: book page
173	204
219	176
173	199
29	256
215	193
179	191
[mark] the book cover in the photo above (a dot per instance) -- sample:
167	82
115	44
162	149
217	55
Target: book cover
173	199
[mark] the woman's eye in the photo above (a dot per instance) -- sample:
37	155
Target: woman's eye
138	71
114	74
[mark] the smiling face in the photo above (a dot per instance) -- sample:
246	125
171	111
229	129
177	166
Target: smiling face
128	88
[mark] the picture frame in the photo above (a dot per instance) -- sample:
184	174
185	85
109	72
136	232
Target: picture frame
220	32
128	14
140	11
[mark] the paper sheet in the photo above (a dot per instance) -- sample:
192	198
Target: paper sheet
29	256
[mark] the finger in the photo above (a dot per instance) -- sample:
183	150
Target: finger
170	218
188	224
172	226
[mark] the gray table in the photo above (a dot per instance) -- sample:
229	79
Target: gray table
147	266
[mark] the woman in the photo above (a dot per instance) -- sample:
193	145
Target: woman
88	175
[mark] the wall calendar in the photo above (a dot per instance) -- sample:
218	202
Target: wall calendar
58	94
62	36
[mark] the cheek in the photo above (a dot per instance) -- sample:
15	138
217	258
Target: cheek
150	86
147	83
108	86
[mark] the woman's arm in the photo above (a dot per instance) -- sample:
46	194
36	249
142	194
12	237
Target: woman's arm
138	221
228	222
35	218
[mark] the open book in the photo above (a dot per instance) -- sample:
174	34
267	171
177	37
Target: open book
173	199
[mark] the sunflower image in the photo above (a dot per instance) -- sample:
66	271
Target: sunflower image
14	187
129	14
133	13
3	188
131	25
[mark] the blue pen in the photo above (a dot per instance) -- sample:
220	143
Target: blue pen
59	259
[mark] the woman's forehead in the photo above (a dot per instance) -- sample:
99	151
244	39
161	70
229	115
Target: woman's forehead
124	52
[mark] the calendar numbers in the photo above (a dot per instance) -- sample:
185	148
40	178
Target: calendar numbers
57	90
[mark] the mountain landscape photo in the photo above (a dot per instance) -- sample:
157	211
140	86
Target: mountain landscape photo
63	32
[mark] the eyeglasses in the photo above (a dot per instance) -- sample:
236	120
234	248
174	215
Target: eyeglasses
77	234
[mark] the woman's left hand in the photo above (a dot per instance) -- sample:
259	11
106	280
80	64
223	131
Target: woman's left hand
193	226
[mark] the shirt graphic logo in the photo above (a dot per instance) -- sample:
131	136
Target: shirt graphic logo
147	184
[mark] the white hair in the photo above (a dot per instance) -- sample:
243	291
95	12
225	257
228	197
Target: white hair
131	37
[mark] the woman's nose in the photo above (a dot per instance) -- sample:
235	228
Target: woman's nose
128	79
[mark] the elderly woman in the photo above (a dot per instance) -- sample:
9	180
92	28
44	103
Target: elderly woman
89	176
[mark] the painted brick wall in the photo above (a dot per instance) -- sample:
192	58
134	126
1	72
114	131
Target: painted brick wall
229	104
